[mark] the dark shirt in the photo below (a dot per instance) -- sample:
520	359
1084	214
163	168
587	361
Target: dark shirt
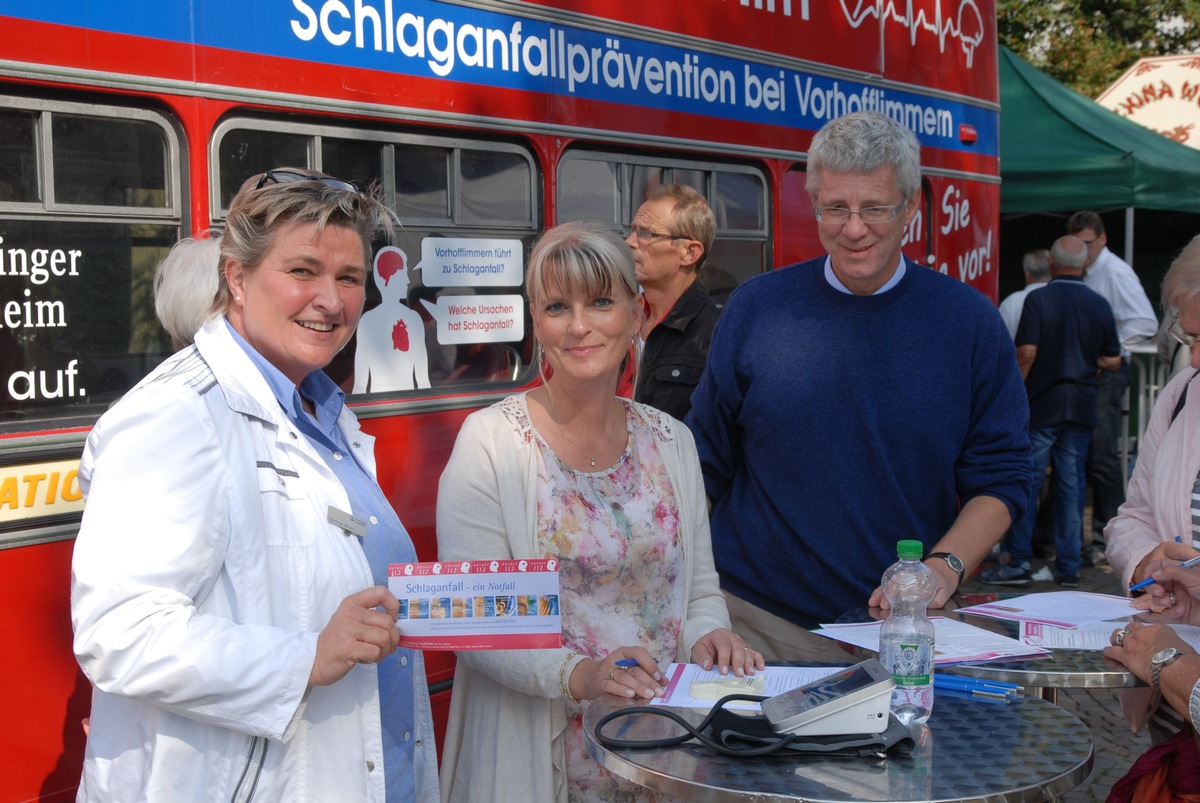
1072	327
676	352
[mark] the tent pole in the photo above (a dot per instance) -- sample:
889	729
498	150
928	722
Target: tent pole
1125	412
1129	236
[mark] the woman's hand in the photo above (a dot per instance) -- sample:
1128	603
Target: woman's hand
1138	645
1167	553
357	633
1175	597
726	651
589	679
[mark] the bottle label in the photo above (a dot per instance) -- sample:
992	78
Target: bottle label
914	665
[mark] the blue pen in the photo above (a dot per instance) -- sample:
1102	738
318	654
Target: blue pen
1187	564
626	663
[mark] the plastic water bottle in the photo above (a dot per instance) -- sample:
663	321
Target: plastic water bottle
906	637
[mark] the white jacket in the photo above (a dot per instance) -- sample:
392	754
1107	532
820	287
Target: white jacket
204	569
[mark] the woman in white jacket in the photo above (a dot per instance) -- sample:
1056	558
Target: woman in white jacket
610	488
226	581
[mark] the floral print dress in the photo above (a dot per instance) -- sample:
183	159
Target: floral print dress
622	575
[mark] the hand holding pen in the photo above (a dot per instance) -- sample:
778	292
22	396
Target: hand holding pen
1172	591
1187	564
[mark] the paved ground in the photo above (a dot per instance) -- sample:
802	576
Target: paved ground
1116	747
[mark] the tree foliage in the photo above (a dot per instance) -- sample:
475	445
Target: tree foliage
1089	44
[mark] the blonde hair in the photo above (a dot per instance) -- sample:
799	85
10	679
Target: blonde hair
587	259
288	194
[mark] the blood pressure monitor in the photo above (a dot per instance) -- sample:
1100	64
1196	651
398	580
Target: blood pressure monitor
854	700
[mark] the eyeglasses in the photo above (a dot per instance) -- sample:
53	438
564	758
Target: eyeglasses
1186	338
870	214
288	176
646	236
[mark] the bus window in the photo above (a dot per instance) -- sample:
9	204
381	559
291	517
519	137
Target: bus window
594	186
242	153
83	225
351	159
108	162
496	188
18	160
423	183
446	304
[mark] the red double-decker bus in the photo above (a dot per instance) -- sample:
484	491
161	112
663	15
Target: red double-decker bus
125	125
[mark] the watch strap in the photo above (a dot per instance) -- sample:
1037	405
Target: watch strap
946	556
1157	665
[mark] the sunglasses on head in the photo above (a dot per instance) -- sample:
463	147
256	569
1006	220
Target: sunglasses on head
288	176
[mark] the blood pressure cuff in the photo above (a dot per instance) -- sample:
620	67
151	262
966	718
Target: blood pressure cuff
739	732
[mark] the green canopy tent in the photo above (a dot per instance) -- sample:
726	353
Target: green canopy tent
1061	151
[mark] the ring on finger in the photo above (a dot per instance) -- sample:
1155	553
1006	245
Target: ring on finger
1121	634
1173	599
610	673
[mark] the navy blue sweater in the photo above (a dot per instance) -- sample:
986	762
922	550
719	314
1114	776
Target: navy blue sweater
830	426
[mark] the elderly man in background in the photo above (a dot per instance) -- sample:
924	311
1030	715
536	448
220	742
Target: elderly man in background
1066	337
671	235
1036	264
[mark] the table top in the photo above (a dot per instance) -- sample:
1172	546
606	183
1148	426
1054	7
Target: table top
972	750
1060	669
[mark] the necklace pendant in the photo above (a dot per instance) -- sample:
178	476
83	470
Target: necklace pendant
593	462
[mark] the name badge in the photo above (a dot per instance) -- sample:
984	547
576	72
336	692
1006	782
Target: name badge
347	523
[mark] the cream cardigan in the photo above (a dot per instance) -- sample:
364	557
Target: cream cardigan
507	715
1159	498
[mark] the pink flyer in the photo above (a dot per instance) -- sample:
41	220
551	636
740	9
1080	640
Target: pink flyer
478	605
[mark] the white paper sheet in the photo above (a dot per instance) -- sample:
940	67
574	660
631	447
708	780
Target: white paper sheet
1095	636
778	680
954	642
1058	608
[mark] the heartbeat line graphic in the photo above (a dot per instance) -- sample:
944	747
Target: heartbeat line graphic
967	27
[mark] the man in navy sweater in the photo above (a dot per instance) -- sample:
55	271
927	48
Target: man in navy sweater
1065	338
852	401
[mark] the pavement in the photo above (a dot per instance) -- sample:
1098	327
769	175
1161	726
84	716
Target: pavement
1116	747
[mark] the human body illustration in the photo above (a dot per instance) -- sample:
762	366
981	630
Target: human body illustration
391	337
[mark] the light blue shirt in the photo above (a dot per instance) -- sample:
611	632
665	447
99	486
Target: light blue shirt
386	542
836	283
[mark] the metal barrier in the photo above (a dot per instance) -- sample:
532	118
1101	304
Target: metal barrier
1148	376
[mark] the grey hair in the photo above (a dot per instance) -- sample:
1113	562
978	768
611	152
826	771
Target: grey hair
863	142
1036	263
1181	285
185	285
1066	256
256	212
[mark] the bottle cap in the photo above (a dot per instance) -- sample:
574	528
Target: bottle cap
909	550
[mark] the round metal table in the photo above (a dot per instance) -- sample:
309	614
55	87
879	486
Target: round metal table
1020	751
1044	675
1061	669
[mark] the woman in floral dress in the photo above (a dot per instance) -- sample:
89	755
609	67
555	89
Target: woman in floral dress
612	490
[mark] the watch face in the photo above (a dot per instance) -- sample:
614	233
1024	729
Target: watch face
955	563
1164	655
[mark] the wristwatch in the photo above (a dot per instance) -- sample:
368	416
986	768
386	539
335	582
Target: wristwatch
1163	658
953	561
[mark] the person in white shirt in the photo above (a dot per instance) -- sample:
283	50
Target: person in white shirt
1113	278
1037	274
